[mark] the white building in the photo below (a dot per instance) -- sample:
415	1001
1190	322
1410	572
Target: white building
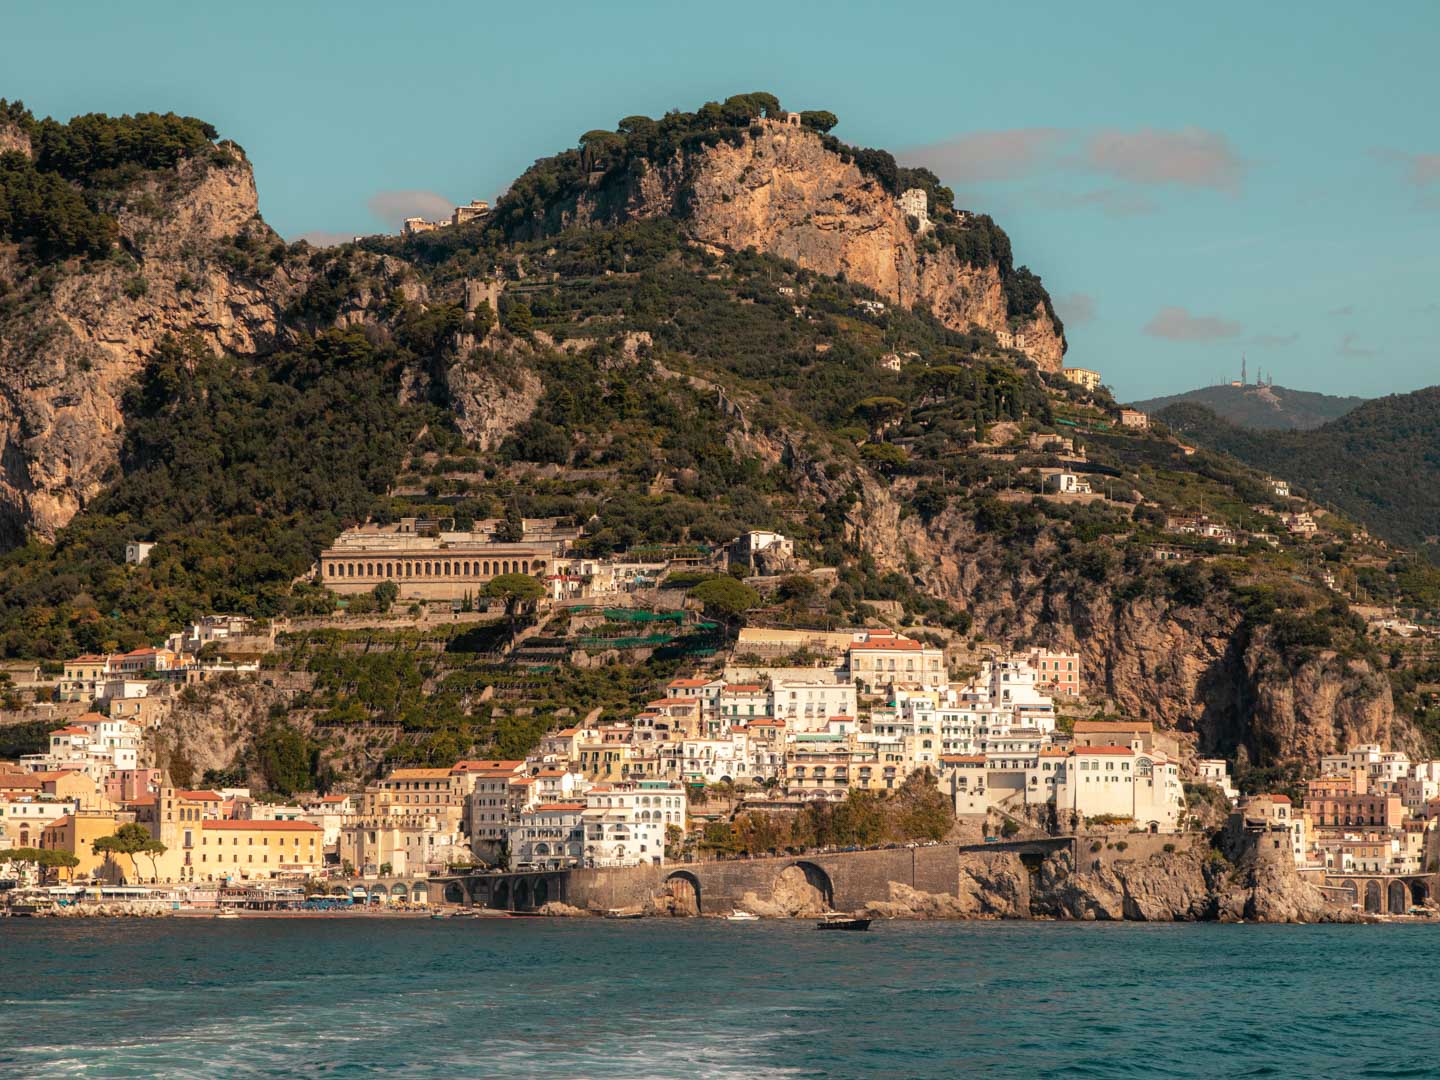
1123	783
1067	483
93	744
625	823
1216	772
137	551
805	704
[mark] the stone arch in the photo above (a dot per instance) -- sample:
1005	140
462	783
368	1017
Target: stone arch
524	895
1419	893
683	888
454	893
500	897
813	878
485	568
446	570
420	893
379	894
339	890
400	891
1374	898
1398	897
524	566
542	892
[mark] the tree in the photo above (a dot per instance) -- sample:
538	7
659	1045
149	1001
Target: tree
819	119
517	319
130	839
386	593
725	598
286	759
519	592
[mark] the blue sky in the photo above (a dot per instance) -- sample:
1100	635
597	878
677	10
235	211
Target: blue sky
1191	183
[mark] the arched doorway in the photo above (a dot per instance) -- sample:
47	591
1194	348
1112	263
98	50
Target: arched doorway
338	890
542	892
379	894
1419	893
524	897
399	892
454	893
1399	897
1374	899
500	898
420	894
684	890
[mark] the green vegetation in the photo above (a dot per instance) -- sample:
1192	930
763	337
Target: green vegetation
916	811
1377	462
1271	408
131	839
44	858
57	200
241	474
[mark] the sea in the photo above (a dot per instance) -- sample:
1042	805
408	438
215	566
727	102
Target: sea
711	999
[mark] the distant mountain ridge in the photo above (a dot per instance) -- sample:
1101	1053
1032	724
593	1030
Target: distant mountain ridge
1379	463
1262	408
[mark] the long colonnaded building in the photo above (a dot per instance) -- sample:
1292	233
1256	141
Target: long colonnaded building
428	564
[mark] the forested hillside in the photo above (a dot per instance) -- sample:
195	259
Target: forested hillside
1380	463
654	372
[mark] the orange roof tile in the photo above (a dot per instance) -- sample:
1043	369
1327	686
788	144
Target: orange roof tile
266	826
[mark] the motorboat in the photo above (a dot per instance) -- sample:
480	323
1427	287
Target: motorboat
837	920
227	915
742	916
618	914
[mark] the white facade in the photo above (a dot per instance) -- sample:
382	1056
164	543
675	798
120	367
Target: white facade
1121	782
806	704
625	823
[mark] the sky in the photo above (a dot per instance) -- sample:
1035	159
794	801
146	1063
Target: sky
1192	183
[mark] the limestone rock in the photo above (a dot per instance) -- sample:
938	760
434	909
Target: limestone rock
785	192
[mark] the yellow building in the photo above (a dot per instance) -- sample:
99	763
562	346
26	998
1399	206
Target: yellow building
76	833
1080	376
250	850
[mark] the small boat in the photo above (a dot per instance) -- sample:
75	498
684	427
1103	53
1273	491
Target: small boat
838	921
227	915
440	915
618	914
743	916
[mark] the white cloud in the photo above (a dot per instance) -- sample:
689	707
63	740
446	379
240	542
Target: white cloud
1177	324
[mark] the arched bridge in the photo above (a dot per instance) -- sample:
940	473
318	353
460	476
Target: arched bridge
520	891
1387	895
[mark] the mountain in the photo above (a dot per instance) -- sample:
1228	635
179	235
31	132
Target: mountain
1263	408
1379	463
678	330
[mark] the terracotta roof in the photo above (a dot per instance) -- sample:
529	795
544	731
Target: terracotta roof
419	774
1102	727
903	644
1274	798
472	765
558	806
1104	750
92	718
58	822
965	759
70	731
267	826
141	800
688	682
200	796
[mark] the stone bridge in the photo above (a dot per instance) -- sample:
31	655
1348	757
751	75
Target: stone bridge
843	880
384	889
1387	894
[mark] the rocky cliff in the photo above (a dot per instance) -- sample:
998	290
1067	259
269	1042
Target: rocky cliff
192	258
1198	670
784	191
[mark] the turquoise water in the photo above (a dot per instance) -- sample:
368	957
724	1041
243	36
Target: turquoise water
700	999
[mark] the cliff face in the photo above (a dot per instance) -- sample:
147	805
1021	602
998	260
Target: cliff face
1196	670
785	193
78	333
